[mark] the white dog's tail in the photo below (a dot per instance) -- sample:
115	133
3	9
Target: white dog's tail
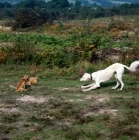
133	66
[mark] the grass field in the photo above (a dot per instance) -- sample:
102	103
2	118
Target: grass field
57	109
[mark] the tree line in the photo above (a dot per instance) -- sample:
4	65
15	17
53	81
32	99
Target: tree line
30	13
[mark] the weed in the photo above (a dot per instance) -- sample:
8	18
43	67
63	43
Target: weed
10	118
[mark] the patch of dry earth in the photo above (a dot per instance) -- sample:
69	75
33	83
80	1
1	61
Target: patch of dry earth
34	99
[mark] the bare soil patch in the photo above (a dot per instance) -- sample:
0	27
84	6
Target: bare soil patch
34	99
99	105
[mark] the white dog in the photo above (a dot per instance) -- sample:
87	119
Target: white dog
116	69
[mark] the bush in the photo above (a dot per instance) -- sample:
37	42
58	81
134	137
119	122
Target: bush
28	18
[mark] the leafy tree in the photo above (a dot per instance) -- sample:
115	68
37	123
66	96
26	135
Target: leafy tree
57	4
38	11
104	2
78	3
1	5
31	4
7	5
27	18
115	11
21	4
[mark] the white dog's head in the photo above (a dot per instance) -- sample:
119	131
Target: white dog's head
85	77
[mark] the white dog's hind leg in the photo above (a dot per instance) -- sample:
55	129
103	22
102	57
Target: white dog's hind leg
122	84
119	81
117	85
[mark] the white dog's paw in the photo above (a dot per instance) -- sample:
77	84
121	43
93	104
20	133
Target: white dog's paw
120	89
113	88
82	87
84	90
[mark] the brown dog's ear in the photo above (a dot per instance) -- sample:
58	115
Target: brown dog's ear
26	77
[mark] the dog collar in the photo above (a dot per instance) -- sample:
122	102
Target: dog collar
91	76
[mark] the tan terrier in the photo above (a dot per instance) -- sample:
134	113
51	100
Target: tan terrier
32	81
22	83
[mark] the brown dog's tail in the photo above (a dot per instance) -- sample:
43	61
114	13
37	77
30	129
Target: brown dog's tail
12	86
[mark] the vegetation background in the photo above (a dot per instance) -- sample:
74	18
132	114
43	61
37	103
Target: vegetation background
59	34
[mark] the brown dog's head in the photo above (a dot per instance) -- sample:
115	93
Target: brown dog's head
25	78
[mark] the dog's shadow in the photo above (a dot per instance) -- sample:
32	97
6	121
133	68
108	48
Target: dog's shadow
113	83
108	84
132	83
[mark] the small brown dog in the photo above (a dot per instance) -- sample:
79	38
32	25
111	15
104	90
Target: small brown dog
22	83
25	83
32	81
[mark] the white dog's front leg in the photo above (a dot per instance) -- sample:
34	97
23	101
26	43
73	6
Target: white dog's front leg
88	86
93	87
